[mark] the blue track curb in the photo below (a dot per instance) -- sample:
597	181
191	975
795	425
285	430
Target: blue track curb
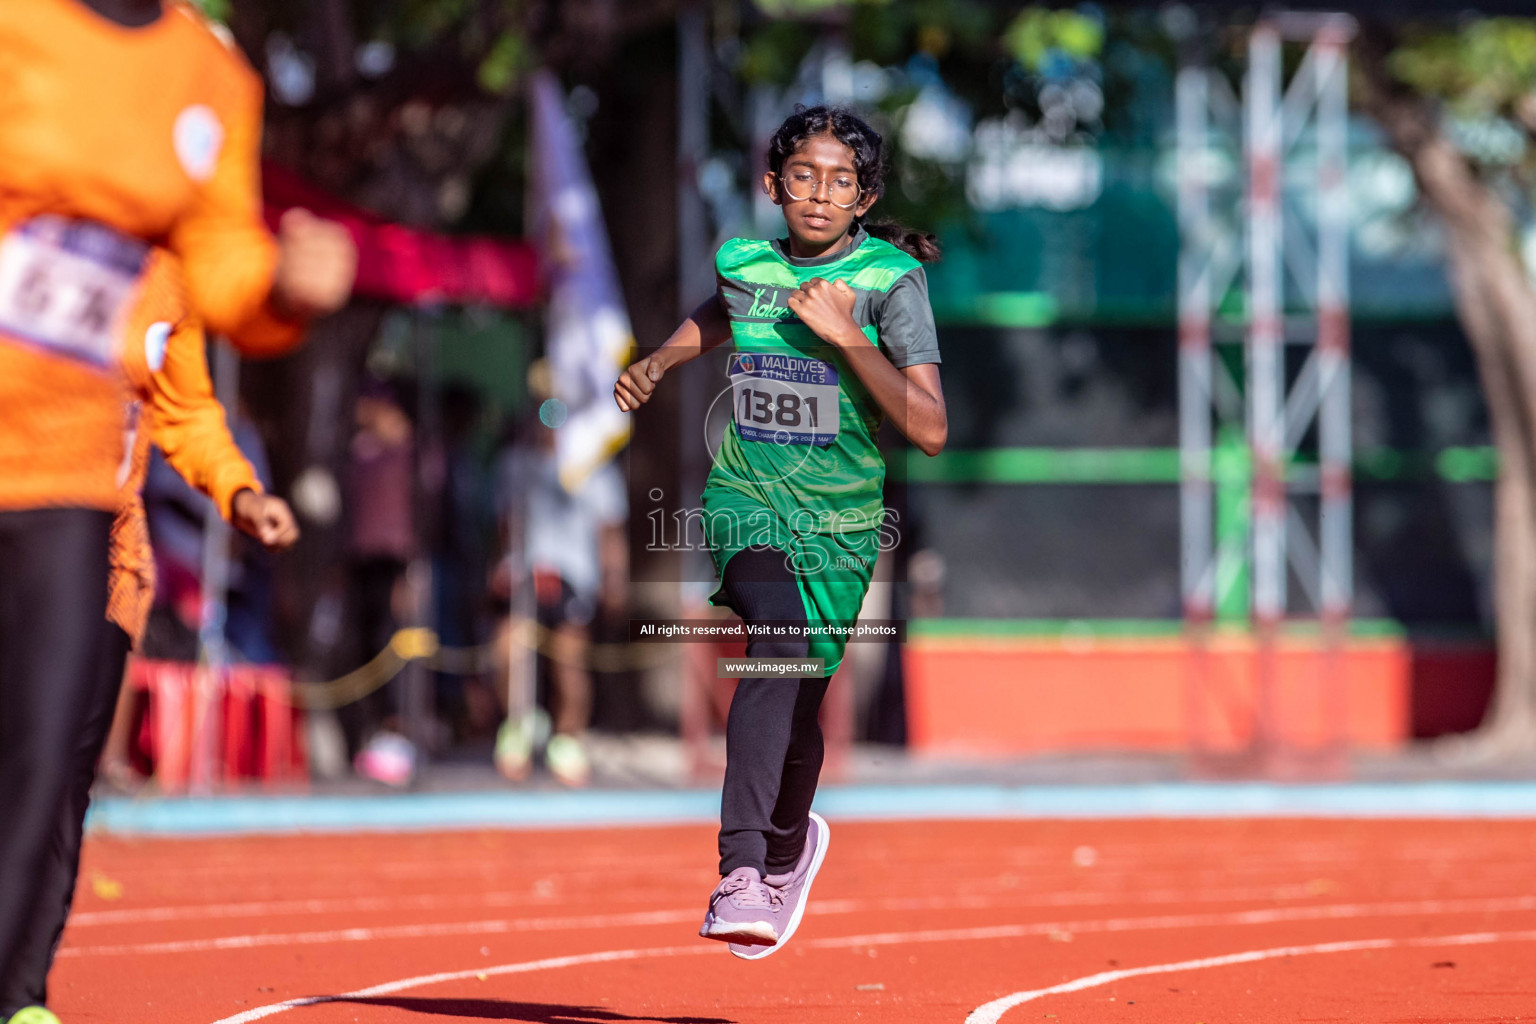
237	815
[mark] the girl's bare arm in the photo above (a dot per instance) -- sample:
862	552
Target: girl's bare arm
706	328
911	397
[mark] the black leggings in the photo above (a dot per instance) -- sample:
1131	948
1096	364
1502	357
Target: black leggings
26	978
53	598
772	738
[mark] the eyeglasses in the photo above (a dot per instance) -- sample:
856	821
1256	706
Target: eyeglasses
842	190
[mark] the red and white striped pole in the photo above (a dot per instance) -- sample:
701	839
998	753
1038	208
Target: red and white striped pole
1195	258
1266	368
1336	535
1197	562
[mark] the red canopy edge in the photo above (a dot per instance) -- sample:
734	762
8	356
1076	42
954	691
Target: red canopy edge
410	266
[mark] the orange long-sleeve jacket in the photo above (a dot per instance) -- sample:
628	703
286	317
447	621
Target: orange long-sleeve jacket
170	404
113	138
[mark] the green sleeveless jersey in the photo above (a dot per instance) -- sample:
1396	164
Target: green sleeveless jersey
801	436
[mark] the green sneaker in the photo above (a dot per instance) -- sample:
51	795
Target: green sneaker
567	760
514	749
33	1015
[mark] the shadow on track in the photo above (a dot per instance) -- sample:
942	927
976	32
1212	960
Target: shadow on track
526	1013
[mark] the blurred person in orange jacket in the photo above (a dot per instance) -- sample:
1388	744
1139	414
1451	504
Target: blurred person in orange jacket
122	123
170	404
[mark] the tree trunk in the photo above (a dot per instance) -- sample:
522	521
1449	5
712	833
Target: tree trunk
1509	728
1510	725
1496	307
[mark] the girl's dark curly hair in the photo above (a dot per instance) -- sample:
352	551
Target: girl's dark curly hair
869	162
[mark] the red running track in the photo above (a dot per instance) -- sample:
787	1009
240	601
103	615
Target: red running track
931	922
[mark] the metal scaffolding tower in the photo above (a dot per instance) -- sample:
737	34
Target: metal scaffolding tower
1265	427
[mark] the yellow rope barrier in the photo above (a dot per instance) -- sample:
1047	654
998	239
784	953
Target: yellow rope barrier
421	644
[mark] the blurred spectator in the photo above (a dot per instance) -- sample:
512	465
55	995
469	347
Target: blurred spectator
380	544
459	553
178	518
575	548
925	572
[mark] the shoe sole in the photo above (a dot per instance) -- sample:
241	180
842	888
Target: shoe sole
741	934
823	841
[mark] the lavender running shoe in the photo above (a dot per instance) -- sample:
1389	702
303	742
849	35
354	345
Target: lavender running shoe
793	888
743	911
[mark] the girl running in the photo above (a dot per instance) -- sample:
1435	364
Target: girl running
126	123
833	332
171	404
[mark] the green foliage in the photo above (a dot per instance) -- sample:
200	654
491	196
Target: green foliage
879	30
945	25
994	57
473	30
1480	68
805	8
215	10
879	34
419	23
939	28
773	53
509	58
1036	32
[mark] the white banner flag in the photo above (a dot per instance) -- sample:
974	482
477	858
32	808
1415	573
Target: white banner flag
589	340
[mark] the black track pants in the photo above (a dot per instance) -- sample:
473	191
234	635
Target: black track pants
53	598
26	980
773	739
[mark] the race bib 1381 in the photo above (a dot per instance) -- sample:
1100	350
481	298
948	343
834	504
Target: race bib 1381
784	399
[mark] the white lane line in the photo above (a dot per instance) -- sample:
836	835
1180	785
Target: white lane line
526	967
1024	874
997	1008
365	904
498	926
991	1013
1336	912
294	908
